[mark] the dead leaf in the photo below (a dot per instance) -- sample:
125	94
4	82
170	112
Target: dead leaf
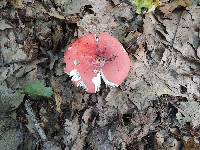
114	100
191	144
160	137
58	100
56	14
189	112
87	115
11	50
184	3
71	130
198	52
168	8
17	4
4	25
140	53
9	99
57	37
53	59
57	96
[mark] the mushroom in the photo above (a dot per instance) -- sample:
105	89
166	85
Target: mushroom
90	59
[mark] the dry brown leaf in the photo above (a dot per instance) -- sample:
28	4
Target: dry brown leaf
167	9
71	18
140	53
4	25
191	144
55	13
58	100
149	24
184	3
17	4
57	96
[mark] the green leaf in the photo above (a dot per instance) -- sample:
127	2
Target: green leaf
148	5
37	89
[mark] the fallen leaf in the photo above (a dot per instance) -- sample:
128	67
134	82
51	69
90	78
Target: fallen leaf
37	89
184	3
58	100
9	99
71	130
57	92
148	5
191	144
170	7
4	25
56	14
17	4
189	112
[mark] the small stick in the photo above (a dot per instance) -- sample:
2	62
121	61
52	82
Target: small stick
35	122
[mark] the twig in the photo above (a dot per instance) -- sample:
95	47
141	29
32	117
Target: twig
31	115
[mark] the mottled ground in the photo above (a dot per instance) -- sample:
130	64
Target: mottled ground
156	108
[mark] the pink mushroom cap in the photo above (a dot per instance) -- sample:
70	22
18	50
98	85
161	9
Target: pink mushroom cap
90	59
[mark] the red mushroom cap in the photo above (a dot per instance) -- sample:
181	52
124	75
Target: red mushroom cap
90	58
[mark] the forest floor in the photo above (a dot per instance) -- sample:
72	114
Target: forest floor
156	108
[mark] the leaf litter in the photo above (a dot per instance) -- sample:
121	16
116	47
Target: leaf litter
157	107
